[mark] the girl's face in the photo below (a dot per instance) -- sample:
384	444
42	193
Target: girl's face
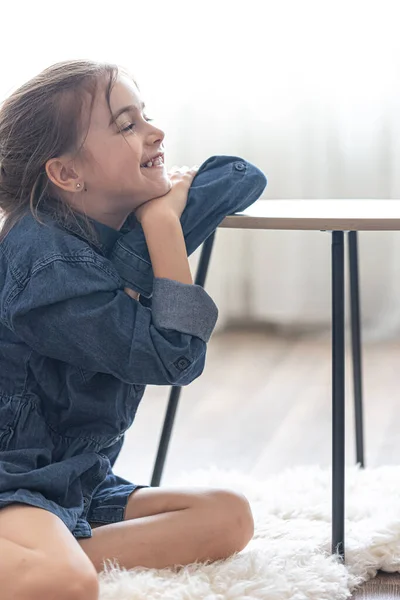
114	153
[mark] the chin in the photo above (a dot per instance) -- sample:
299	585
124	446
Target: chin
161	189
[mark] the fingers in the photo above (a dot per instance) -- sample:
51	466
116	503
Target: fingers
132	293
183	169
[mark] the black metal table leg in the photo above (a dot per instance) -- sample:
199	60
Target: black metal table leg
175	393
356	345
338	393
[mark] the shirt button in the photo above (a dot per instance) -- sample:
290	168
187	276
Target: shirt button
239	166
182	363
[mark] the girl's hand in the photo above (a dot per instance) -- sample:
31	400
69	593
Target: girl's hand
176	199
132	293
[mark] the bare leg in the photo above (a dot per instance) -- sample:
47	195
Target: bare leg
173	527
40	559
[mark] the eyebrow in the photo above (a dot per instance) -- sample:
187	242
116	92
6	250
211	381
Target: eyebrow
128	108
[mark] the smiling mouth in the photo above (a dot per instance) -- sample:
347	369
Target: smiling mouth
156	162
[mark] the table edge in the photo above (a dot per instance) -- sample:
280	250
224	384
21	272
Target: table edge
240	221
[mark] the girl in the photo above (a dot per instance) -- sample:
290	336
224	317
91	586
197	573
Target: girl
81	167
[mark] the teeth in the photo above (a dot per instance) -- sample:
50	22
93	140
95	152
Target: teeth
157	161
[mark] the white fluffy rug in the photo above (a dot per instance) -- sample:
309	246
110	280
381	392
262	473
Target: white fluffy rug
289	557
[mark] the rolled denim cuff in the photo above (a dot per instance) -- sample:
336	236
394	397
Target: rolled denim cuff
183	307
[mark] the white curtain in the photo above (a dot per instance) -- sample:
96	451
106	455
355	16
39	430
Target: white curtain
308	91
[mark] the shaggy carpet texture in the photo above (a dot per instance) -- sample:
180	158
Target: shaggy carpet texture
290	555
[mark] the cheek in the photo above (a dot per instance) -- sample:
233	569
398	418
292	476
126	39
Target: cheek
120	166
126	162
116	154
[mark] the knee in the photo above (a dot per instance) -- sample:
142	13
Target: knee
64	583
85	586
233	520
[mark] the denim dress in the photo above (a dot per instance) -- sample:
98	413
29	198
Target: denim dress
76	351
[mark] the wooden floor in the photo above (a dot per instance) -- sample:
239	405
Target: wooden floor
263	404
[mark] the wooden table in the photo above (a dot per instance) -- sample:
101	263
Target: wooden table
337	217
320	215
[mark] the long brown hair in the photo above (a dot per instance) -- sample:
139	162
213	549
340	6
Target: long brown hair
42	119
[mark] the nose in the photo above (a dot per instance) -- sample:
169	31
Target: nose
156	135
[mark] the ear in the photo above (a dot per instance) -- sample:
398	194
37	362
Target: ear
61	173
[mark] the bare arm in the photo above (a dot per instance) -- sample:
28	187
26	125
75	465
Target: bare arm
160	220
166	244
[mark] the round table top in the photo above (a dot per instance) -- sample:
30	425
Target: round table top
320	214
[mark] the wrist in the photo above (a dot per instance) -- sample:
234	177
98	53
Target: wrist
157	213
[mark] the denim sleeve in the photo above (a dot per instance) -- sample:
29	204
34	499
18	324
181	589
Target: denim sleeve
77	312
223	186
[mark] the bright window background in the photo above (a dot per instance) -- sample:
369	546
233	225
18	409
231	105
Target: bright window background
308	91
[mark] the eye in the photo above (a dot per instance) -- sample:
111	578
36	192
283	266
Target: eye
131	126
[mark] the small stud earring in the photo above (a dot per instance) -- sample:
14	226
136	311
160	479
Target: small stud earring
78	185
